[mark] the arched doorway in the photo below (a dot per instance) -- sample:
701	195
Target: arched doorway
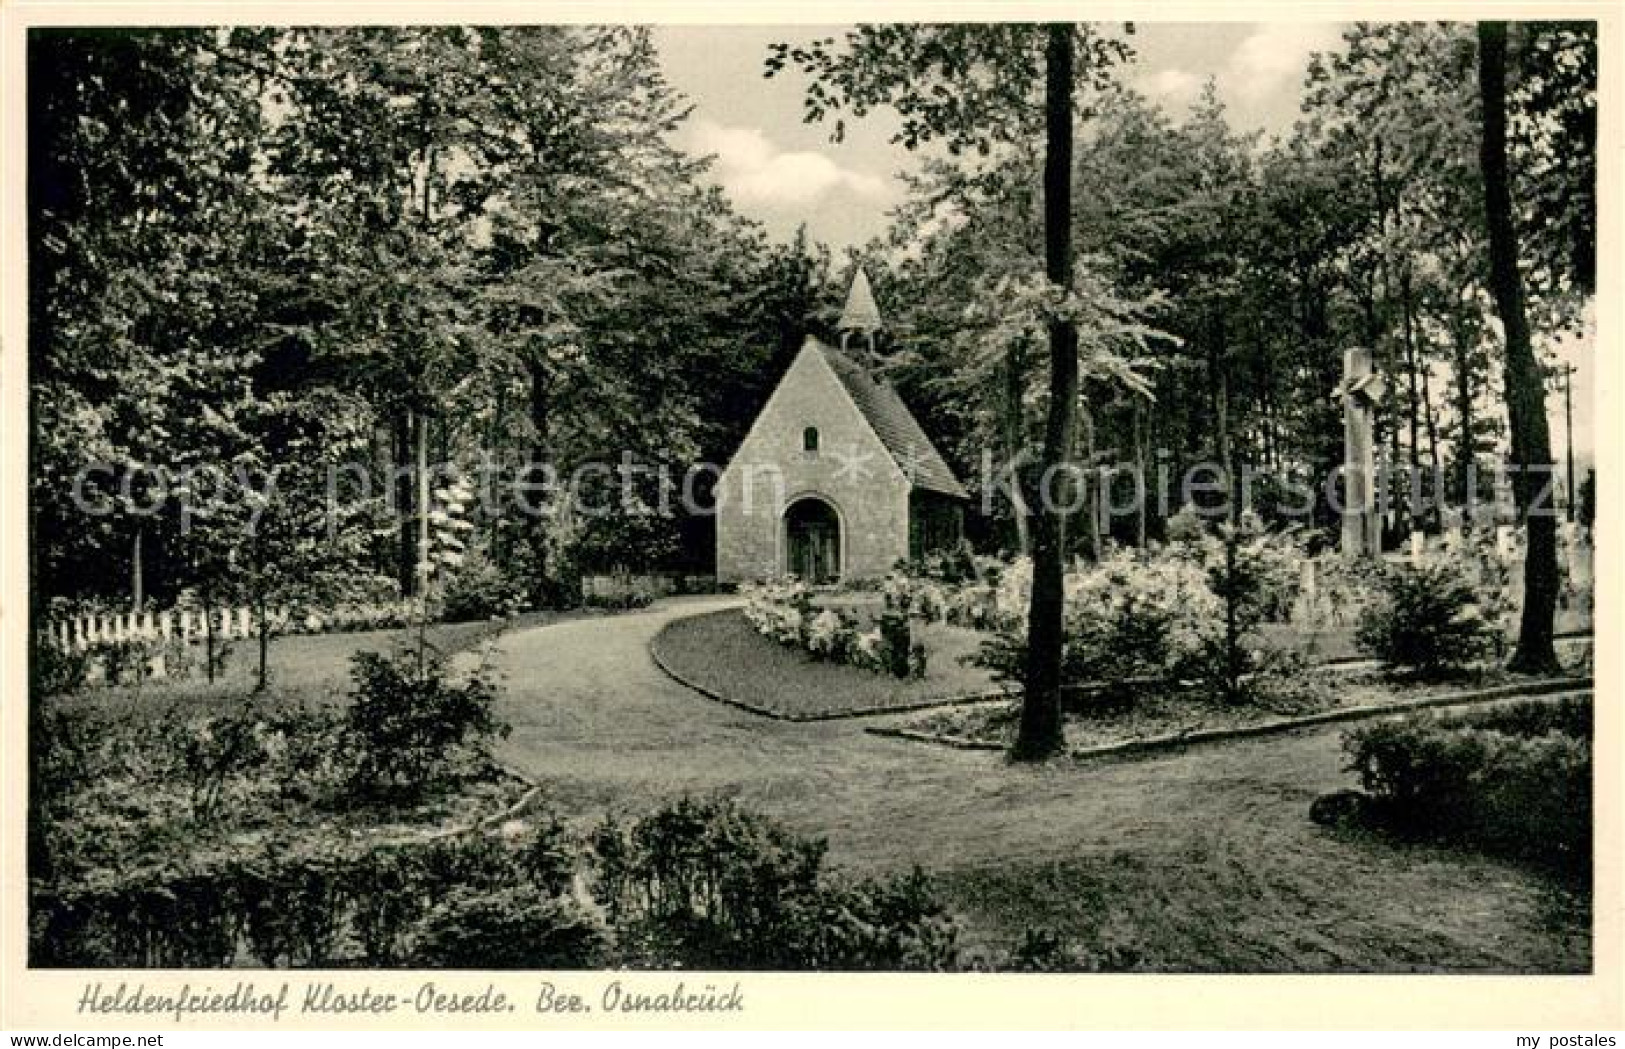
812	541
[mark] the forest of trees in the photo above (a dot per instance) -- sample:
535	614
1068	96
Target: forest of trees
310	247
315	248
1232	272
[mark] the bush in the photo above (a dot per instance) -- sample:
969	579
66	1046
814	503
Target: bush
58	670
953	567
697	884
517	927
295	898
1427	622
214	751
413	731
1045	951
1488	780
481	590
172	916
311	755
629	601
867	925
1185	526
1347	588
316	899
705	884
1568	716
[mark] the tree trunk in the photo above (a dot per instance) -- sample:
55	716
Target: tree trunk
1435	467
263	677
1015	438
535	480
1094	481
420	424
406	549
1219	369
1467	451
137	584
1040	734
1413	376
208	632
1525	385
1141	473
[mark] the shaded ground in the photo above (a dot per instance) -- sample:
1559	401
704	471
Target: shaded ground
1203	860
723	654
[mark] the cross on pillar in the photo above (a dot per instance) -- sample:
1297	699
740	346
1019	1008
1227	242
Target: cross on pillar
1360	391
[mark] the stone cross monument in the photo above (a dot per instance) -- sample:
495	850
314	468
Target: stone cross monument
1360	391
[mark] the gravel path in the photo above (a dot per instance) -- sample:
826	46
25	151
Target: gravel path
1197	860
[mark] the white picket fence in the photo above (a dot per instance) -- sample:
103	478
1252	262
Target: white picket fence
81	632
616	586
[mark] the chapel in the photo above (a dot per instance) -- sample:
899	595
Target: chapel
835	482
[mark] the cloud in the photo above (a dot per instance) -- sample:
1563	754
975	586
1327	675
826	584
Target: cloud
1175	89
756	171
1258	69
1274	57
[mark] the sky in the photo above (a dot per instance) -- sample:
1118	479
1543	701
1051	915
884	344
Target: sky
783	172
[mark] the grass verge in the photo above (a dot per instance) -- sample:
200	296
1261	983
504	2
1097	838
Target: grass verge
719	654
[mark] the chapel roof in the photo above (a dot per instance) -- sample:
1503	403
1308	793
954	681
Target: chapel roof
894	424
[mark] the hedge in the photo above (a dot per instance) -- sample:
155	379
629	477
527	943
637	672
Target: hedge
1515	780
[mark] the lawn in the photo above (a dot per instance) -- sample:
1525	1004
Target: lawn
1201	859
1246	884
722	655
1243	896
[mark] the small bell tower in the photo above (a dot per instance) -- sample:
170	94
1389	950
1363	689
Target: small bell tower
861	315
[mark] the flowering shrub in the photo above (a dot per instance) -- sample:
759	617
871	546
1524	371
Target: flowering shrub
784	611
779	610
994	596
1161	615
1134	617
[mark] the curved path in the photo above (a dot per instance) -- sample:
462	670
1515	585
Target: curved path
1204	858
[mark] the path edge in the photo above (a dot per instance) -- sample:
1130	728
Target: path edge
1555	688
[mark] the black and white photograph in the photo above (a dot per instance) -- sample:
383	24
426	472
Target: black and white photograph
656	500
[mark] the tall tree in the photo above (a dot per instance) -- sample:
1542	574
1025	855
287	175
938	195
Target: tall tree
1525	381
1040	733
974	87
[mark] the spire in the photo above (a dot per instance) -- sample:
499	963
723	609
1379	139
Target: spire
861	313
